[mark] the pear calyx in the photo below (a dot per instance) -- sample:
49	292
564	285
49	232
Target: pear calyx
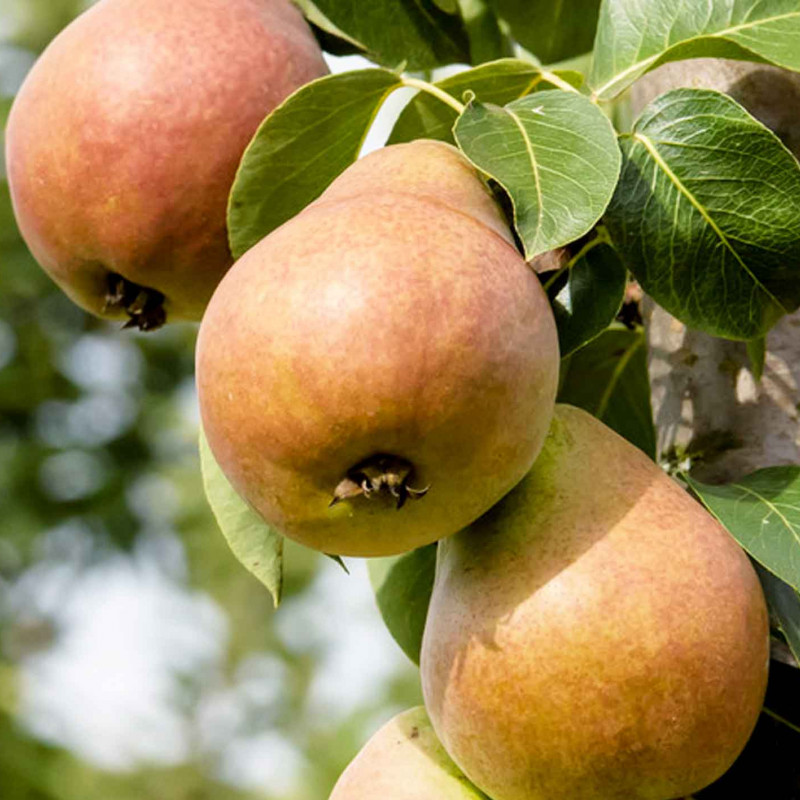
144	307
382	474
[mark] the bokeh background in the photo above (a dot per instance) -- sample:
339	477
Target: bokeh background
138	659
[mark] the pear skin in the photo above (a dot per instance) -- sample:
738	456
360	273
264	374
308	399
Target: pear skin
379	371
436	172
597	635
124	140
404	761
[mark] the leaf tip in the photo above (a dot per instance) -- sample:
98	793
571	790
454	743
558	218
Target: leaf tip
340	561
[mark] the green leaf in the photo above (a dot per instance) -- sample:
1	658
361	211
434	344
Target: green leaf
553	30
487	42
253	542
394	32
609	379
339	561
587	298
448	6
762	512
332	39
556	155
635	36
707	214
403	586
499	82
784	602
300	148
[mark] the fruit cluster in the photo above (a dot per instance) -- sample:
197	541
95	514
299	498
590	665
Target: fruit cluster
595	635
379	374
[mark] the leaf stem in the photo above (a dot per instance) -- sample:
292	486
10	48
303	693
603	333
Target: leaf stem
601	237
777	717
435	91
551	77
756	352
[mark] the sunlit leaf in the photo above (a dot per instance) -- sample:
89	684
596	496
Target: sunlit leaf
258	546
634	36
556	155
300	148
762	512
707	214
497	82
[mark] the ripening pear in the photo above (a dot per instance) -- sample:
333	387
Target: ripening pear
124	140
379	371
597	635
404	761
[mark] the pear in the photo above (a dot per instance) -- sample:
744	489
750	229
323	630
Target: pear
379	371
404	761
124	140
596	635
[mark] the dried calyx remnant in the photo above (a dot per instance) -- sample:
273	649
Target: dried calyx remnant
144	307
380	474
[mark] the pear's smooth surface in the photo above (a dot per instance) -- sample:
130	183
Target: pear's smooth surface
597	635
404	761
392	318
123	142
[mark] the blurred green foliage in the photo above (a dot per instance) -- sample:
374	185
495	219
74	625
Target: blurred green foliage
98	432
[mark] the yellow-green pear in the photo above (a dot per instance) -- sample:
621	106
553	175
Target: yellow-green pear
404	761
597	635
124	140
379	371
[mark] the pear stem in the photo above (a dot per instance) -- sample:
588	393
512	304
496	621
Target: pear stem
435	91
